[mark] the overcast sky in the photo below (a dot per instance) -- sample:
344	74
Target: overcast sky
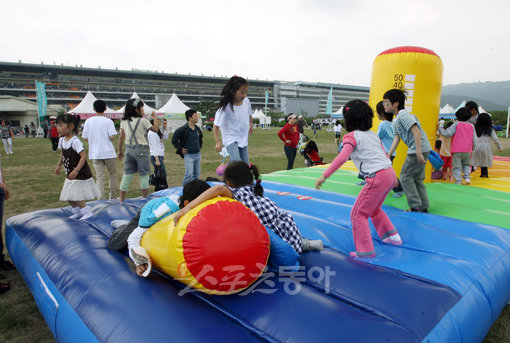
290	40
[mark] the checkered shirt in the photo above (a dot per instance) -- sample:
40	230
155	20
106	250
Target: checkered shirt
270	215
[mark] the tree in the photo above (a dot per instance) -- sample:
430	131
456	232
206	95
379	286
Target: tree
499	117
207	108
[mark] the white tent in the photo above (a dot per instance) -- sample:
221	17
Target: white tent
481	110
338	114
85	108
263	119
462	104
447	112
174	111
146	108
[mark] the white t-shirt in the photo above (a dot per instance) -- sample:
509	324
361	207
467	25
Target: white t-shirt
368	155
156	145
74	142
234	124
98	131
337	128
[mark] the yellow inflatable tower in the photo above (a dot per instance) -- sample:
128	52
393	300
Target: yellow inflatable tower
418	72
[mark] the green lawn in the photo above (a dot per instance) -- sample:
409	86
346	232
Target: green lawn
30	178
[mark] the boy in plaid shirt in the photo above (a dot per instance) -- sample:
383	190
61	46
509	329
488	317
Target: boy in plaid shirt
408	128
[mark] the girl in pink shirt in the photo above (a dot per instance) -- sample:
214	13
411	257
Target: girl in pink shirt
463	139
365	149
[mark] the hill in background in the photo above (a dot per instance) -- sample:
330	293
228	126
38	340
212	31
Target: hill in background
493	96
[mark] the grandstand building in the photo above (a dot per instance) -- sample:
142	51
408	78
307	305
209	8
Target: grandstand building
67	85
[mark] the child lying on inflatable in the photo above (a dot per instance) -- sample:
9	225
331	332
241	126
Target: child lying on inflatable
129	235
239	178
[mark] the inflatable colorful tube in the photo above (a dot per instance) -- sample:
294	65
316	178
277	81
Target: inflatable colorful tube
200	253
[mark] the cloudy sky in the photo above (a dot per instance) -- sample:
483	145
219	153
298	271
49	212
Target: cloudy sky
291	40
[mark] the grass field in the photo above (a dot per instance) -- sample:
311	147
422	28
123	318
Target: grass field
30	178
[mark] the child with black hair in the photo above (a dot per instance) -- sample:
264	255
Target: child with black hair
152	212
133	132
79	184
239	178
408	128
444	152
124	228
463	139
482	152
473	110
338	132
437	174
386	134
364	148
234	118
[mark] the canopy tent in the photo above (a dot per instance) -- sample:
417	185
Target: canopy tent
146	108
462	104
85	109
481	110
338	114
447	112
174	111
263	119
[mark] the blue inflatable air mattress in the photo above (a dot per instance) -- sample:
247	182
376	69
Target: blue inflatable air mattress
448	281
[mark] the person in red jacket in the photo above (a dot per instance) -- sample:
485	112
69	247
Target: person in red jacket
54	136
289	134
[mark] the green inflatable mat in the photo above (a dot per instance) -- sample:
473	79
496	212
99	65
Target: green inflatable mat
468	203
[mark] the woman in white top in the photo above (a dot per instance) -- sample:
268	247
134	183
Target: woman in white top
337	128
133	132
234	119
157	148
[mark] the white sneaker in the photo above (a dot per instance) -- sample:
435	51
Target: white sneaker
118	222
468	181
76	213
87	213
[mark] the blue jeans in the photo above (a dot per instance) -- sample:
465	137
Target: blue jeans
238	154
191	167
161	162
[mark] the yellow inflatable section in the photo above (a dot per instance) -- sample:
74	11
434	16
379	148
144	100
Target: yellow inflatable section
419	72
219	247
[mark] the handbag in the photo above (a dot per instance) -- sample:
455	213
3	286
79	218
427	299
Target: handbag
157	179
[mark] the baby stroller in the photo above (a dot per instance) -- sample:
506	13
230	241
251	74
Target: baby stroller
310	152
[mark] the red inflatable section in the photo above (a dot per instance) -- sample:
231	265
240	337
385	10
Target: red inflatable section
400	49
225	246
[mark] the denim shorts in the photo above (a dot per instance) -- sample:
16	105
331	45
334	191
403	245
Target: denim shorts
137	159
